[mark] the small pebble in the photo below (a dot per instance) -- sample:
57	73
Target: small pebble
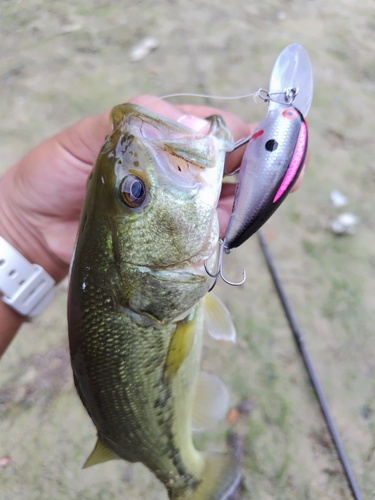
344	223
281	16
143	48
365	411
338	199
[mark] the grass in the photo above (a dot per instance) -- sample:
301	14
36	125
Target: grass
329	280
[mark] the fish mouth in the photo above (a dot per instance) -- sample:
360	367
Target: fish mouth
193	265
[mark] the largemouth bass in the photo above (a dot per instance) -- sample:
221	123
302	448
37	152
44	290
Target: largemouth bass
136	299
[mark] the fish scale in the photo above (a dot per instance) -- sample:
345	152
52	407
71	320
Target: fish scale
117	386
127	377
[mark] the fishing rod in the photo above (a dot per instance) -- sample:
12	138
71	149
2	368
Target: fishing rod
298	337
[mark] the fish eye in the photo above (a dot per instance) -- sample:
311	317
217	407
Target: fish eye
133	191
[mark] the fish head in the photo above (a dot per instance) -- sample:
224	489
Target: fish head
149	220
157	183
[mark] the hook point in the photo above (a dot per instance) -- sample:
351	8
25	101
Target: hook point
219	271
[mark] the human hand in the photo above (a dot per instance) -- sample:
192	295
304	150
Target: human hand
42	195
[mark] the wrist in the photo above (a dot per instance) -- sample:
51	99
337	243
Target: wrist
10	323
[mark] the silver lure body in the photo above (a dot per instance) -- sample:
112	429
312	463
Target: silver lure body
270	166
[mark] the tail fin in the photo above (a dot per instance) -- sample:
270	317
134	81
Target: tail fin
221	476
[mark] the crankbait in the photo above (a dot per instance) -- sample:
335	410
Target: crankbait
275	153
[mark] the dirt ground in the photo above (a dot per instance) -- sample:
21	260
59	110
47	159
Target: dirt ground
61	61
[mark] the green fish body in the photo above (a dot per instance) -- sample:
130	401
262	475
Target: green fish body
137	292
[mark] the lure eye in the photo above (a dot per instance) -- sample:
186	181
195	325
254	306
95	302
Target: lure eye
290	114
133	191
271	145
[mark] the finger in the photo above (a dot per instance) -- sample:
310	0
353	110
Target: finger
224	210
299	180
234	158
159	106
85	139
238	127
227	190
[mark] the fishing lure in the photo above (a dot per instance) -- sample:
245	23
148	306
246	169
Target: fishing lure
275	153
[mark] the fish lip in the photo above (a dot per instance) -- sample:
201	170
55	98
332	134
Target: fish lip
203	253
190	260
171	268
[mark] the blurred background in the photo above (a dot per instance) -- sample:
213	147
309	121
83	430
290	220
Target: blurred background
62	61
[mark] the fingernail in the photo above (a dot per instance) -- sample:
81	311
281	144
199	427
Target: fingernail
193	122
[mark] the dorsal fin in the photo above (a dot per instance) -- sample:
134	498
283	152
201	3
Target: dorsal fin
180	344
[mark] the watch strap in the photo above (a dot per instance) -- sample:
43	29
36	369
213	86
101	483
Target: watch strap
27	288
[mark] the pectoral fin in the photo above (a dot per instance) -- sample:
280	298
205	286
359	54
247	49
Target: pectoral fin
180	345
210	403
217	319
99	454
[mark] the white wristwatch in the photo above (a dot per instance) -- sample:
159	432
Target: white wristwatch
27	288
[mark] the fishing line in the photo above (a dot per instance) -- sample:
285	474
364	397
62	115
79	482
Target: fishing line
259	93
209	96
255	94
298	337
288	94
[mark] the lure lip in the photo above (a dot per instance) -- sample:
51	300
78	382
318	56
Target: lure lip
293	70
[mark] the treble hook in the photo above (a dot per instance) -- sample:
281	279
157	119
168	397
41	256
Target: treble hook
219	271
